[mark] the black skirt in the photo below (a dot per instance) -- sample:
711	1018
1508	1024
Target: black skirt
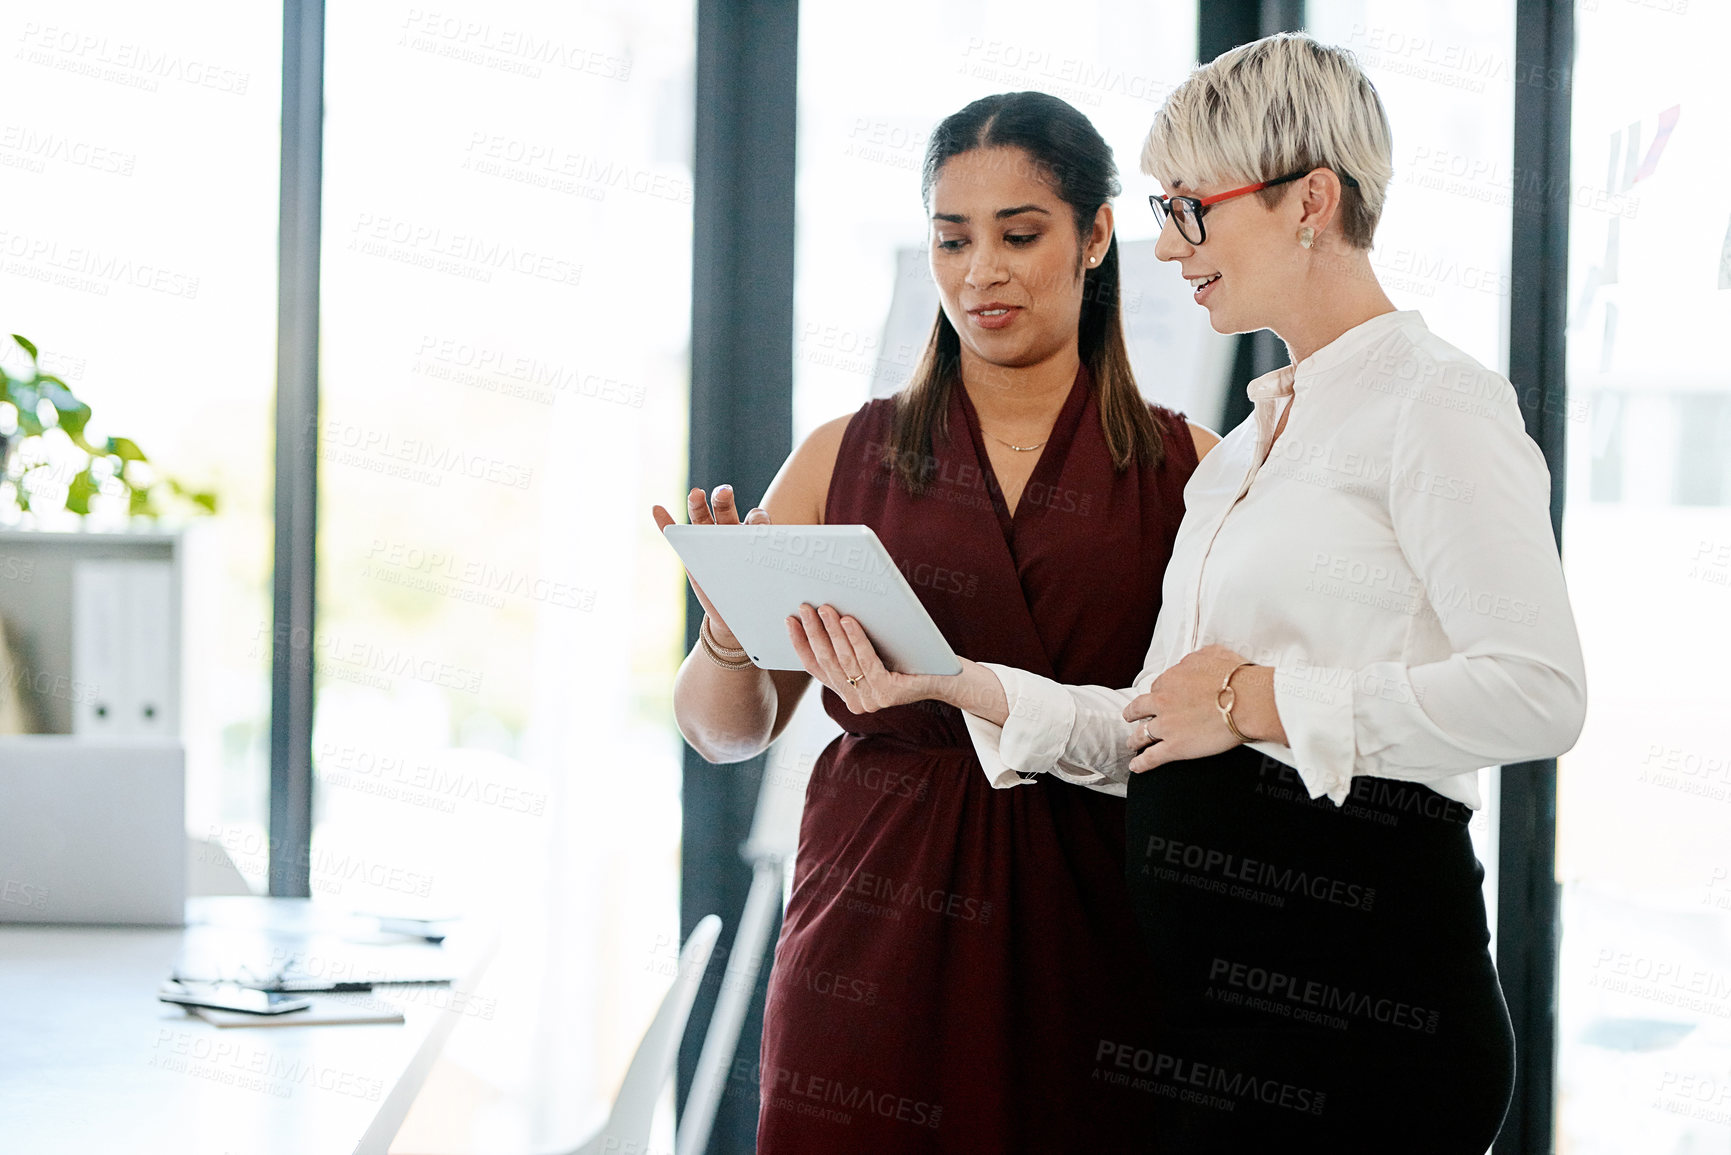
1324	972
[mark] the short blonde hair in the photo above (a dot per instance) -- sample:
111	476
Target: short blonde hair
1281	104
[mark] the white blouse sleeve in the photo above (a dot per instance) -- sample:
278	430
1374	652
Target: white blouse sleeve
1470	504
1075	733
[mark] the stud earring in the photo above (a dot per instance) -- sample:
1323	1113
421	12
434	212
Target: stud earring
1093	260
1306	236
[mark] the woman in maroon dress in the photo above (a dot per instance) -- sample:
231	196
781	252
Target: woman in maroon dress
959	969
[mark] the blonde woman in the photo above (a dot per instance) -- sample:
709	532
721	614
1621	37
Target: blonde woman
1364	607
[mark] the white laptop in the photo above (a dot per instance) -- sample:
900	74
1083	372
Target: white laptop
92	830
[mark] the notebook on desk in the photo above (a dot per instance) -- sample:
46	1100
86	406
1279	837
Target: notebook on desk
317	961
326	1011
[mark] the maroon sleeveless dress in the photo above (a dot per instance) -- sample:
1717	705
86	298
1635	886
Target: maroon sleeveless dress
958	963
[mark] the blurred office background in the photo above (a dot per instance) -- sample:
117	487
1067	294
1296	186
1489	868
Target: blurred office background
504	375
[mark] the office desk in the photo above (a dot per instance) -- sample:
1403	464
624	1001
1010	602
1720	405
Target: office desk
90	1061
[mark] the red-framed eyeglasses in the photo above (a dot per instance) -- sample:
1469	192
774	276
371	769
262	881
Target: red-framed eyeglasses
1187	212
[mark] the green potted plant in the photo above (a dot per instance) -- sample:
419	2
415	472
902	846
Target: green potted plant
112	468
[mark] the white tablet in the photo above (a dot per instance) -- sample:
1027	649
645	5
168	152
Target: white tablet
756	575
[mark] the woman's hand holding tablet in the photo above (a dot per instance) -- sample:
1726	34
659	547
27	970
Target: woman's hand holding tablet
835	650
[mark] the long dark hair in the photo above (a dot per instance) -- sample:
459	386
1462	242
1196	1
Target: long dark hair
1070	152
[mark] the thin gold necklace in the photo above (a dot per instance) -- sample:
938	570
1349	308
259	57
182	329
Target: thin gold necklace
1017	448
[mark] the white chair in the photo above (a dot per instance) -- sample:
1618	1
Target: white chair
627	1127
750	942
770	848
210	870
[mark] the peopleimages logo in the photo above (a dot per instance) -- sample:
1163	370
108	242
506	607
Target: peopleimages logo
1331	1003
1203	1084
1380	800
139	66
893	893
1232	868
833	984
24	894
850	772
89	269
834	1099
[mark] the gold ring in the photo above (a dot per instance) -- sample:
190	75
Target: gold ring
854	681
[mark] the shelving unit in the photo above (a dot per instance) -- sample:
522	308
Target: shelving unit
36	603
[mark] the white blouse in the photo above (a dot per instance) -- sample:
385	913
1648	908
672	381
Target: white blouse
1391	558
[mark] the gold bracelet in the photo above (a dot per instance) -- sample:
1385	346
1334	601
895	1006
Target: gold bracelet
1228	698
708	649
715	646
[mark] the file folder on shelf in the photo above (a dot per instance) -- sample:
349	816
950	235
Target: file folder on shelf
123	649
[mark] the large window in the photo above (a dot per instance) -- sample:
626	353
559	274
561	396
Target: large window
1446	75
138	158
505	311
1644	801
862	141
506	271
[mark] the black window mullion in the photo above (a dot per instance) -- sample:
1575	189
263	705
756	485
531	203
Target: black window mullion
1529	908
291	692
1222	25
741	422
